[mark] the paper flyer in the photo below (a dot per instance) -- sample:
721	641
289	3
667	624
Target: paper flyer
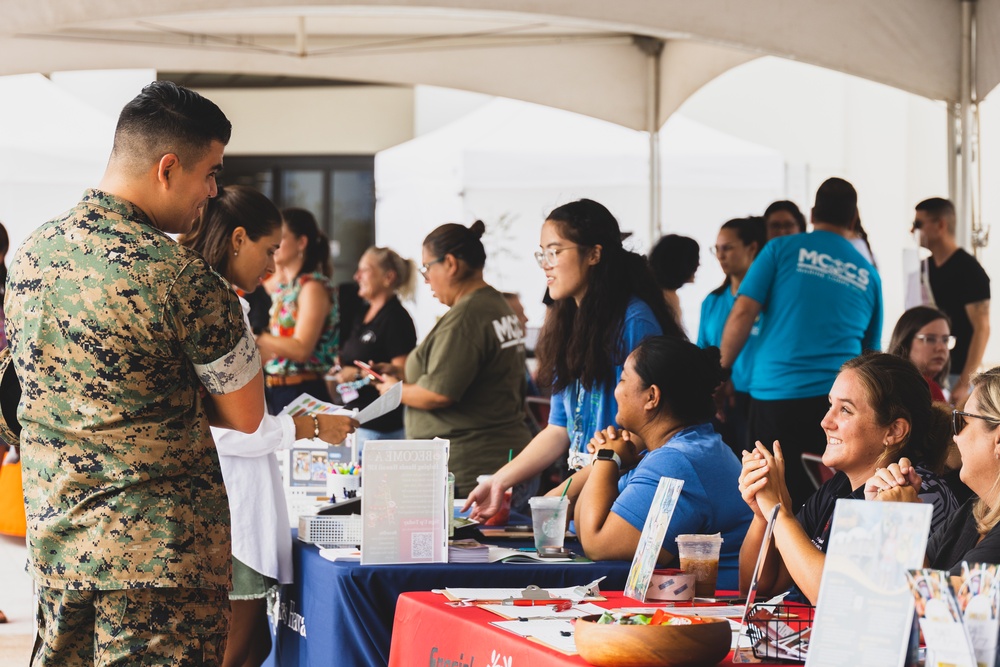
651	540
864	613
403	506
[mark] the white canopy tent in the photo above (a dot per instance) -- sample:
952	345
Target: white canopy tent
510	163
632	62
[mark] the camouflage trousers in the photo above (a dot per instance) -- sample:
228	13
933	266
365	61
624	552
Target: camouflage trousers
121	628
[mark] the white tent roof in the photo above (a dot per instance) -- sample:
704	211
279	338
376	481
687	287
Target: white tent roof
576	55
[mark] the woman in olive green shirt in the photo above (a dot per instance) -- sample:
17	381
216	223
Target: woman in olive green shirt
465	381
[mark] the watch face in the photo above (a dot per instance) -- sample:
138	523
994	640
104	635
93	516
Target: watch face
605	454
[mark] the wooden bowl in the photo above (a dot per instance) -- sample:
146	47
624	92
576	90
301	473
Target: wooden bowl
615	645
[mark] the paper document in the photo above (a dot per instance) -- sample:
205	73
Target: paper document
554	633
385	404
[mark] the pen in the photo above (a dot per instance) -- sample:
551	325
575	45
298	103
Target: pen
534	603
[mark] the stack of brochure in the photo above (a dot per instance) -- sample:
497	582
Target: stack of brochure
468	551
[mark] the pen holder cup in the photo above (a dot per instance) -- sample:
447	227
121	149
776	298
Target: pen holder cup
780	631
343	486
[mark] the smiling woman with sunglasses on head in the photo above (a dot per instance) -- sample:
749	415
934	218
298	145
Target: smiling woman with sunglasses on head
973	532
606	302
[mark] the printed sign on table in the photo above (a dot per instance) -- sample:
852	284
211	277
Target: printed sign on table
651	540
403	503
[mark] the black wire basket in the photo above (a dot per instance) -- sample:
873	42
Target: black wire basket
780	631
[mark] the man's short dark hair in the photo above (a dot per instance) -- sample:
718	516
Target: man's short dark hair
939	208
836	203
167	118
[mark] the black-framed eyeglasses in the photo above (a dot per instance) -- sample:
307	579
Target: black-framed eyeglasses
424	268
959	420
934	339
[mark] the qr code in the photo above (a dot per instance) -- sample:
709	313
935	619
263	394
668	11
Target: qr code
422	545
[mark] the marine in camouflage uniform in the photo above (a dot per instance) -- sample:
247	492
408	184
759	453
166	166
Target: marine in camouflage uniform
114	329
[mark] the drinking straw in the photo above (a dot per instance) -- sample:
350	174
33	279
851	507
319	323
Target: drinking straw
566	488
510	455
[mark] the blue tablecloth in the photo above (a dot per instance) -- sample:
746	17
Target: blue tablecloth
339	613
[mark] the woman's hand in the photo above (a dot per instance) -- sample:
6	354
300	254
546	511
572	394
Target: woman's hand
334	428
898	482
763	486
618	441
386	384
485	500
752	478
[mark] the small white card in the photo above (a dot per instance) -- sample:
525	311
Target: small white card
651	540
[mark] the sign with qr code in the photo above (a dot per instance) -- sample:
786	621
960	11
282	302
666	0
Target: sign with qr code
403	502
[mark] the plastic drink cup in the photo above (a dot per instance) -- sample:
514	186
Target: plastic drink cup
699	555
502	517
548	520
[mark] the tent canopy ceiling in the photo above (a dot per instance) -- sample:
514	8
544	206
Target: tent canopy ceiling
578	55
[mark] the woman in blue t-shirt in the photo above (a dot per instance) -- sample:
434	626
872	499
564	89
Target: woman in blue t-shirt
736	247
605	302
665	398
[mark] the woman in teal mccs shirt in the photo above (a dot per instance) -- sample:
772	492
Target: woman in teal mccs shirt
736	247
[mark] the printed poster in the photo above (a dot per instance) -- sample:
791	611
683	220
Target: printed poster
403	505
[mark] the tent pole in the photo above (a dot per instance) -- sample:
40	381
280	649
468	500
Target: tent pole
653	48
953	129
964	203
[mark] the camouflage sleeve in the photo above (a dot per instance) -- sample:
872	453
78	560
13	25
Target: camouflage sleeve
208	322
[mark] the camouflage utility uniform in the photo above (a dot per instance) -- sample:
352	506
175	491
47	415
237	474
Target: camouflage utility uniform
114	328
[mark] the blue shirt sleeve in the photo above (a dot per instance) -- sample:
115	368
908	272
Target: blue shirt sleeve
873	334
760	278
706	313
557	409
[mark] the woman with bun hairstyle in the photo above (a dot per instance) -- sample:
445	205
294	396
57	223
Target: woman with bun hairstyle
302	343
238	235
665	396
605	302
465	381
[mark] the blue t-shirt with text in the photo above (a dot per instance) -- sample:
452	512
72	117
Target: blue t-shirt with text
822	305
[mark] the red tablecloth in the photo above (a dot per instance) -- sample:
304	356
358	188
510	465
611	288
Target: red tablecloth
426	631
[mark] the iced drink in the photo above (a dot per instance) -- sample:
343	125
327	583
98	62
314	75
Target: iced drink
548	520
699	555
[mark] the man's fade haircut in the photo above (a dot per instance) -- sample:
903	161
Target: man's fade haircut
167	118
939	208
836	203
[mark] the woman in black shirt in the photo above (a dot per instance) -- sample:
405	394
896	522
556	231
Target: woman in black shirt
382	333
973	532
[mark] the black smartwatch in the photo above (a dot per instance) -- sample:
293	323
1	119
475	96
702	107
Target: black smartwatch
608	455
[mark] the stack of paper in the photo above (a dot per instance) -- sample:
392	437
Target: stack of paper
467	551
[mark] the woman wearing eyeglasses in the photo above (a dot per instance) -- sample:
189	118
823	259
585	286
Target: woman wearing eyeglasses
605	302
973	532
736	247
880	411
923	335
465	381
